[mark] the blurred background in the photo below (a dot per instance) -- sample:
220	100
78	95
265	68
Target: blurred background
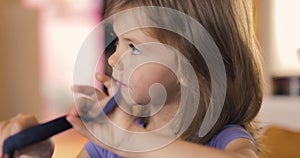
40	39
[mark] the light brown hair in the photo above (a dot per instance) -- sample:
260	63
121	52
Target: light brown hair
229	22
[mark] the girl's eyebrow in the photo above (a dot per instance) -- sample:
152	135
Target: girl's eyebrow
132	39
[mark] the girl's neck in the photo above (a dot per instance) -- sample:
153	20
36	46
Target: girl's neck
165	115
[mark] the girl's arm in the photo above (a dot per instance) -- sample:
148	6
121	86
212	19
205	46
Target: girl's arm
83	154
239	148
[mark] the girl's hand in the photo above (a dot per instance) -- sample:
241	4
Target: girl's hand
110	129
18	123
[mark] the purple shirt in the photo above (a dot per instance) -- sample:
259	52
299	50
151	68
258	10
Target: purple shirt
227	134
219	141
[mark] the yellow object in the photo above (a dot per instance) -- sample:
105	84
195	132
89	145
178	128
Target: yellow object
281	143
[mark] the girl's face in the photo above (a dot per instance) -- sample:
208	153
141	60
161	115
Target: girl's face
144	66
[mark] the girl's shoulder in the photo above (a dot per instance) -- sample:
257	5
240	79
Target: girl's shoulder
228	134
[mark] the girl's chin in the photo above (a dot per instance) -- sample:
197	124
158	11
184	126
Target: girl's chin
138	97
141	101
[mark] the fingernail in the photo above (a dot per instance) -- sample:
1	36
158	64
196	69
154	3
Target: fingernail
69	119
98	76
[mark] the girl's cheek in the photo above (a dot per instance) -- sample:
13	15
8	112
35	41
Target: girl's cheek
143	78
139	89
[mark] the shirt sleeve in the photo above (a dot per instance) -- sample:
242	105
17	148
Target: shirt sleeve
228	134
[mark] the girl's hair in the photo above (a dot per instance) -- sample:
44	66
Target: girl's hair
229	22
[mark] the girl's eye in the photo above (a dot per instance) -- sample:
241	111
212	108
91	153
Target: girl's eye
135	51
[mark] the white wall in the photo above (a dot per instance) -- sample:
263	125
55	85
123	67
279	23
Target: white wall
276	110
282	111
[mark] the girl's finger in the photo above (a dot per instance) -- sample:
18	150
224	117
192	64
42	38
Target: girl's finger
77	124
73	111
89	91
88	108
102	77
22	121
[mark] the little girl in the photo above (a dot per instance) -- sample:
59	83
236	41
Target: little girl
144	58
191	84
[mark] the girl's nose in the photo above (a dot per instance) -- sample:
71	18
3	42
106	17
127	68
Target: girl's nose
114	61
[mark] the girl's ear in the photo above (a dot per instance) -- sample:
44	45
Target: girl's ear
182	81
